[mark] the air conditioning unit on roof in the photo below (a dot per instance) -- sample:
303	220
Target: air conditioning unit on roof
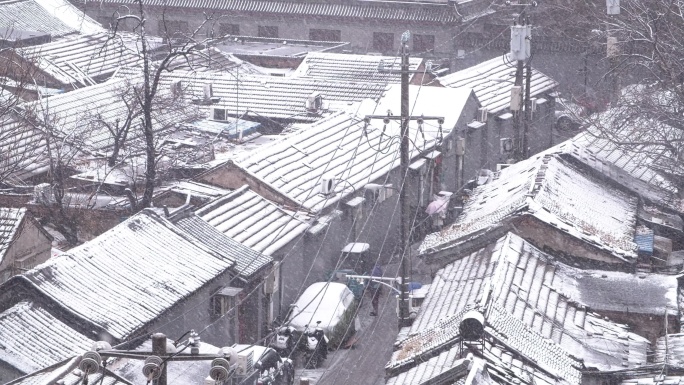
328	185
314	103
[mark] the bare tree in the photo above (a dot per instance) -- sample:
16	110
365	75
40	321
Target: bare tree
155	61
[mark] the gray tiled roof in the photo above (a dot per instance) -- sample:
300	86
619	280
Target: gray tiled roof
338	146
248	261
28	15
141	267
24	150
69	59
492	81
254	221
31	338
549	298
556	193
10	219
353	68
271	96
354	10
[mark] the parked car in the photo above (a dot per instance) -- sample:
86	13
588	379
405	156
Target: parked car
331	303
568	115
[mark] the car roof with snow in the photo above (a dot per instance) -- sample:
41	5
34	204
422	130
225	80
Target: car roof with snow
322	301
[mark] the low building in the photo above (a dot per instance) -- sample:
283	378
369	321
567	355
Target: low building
24	243
500	128
554	204
334	182
149	273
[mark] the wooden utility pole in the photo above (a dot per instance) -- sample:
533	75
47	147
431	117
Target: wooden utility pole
404	202
159	348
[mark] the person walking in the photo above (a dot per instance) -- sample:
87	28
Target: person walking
376	290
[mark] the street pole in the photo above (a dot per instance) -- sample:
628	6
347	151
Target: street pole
404	119
518	154
159	349
403	195
528	108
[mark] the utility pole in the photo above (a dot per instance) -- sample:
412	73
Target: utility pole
404	202
521	46
159	348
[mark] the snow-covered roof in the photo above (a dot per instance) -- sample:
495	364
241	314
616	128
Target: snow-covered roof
85	124
81	59
558	194
340	147
448	103
68	373
129	275
31	338
492	82
247	261
254	221
10	221
272	97
54	17
554	300
322	301
24	150
514	339
353	68
178	372
670	348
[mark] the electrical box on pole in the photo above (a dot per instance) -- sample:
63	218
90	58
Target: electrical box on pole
613	7
516	98
519	43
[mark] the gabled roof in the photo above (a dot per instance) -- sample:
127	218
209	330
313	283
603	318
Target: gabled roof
24	150
558	194
42	16
554	300
357	10
340	146
492	82
511	339
31	338
353	68
272	97
128	276
10	223
84	124
248	261
81	60
253	221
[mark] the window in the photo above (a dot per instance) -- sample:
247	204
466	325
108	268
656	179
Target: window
268	31
423	43
325	34
383	42
224	300
173	28
229	29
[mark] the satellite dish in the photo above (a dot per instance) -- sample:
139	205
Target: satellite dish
472	326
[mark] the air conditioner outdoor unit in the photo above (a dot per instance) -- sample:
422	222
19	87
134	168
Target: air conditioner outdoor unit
218	114
314	102
327	185
208	92
245	363
482	115
506	145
